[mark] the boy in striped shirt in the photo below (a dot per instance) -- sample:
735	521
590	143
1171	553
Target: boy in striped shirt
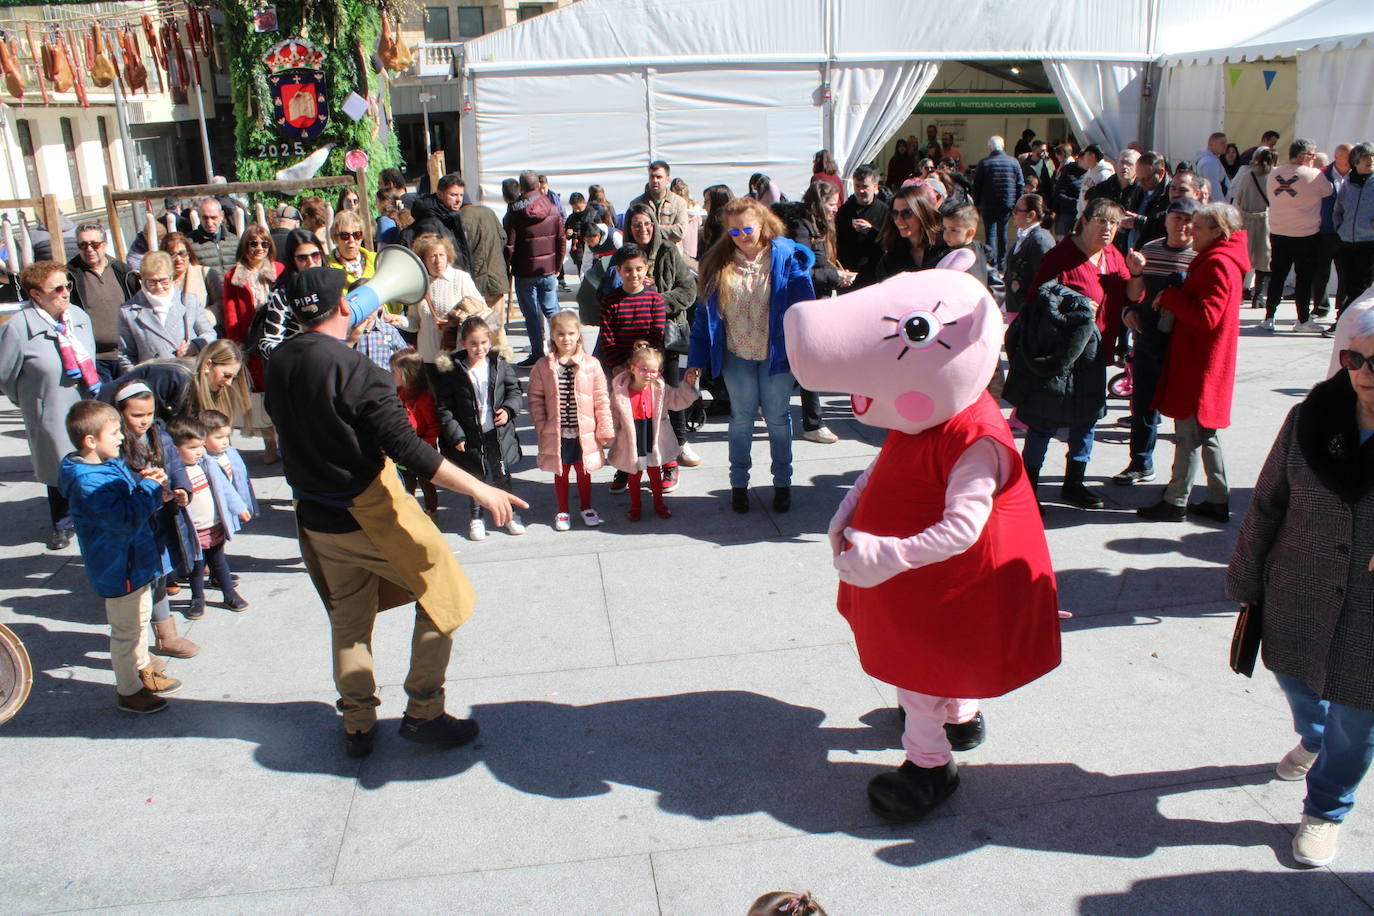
633	312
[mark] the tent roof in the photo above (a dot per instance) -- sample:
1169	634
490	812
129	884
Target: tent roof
1323	25
606	34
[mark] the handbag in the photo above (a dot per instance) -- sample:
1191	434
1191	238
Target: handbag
676	337
1245	642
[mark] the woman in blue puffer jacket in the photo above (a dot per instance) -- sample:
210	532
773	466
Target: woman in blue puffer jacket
1353	218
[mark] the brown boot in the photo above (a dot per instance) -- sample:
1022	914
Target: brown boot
169	643
158	683
142	703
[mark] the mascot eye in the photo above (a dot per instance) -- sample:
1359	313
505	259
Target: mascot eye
918	330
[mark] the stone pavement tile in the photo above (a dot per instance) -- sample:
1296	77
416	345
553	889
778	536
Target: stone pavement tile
1210	849
623	885
1283	800
207	798
585	764
706	600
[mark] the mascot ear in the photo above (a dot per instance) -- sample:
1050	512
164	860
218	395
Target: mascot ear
987	319
960	259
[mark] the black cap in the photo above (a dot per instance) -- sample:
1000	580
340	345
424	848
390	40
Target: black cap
315	291
286	211
1185	205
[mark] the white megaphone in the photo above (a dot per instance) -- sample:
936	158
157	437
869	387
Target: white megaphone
400	277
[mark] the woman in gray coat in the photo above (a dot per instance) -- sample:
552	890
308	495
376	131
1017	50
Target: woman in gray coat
1304	557
182	328
47	364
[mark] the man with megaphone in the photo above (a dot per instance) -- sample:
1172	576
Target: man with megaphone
367	544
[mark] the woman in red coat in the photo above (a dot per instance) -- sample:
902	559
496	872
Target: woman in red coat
247	287
1199	374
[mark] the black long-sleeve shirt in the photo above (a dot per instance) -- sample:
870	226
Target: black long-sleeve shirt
337	417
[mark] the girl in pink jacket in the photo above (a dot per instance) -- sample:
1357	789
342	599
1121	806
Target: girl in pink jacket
644	438
571	412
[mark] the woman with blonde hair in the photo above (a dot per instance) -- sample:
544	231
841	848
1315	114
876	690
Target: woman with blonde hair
453	298
315	217
348	253
748	280
191	277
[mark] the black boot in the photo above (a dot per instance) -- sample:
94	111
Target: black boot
1261	289
1073	491
909	792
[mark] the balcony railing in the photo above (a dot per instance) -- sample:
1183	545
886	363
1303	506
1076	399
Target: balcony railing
435	58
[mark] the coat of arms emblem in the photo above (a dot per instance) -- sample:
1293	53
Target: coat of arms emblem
295	73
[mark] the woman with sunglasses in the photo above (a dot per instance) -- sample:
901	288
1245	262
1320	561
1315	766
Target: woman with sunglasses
1303	559
1199	373
911	238
247	289
190	277
349	255
749	278
158	321
47	364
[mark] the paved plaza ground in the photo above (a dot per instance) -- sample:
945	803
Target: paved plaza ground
673	721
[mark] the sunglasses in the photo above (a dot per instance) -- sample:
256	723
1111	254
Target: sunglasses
89	244
309	256
258	243
902	215
1354	360
747	230
57	289
179	253
345	236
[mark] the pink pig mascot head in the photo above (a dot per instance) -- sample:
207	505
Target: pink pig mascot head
912	351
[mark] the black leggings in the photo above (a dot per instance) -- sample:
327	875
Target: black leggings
214	559
57	505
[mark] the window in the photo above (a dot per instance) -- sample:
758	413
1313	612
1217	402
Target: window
30	163
470	24
436	24
530	10
69	144
106	151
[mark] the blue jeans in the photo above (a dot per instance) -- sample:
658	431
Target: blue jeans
1145	372
1344	737
751	387
1038	442
995	227
538	298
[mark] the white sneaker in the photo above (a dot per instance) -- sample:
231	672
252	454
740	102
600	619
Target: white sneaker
688	458
821	435
1315	842
561	522
515	525
477	530
1295	763
1308	325
590	518
1267	324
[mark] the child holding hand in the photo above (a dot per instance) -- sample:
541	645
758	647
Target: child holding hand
640	402
215	511
571	411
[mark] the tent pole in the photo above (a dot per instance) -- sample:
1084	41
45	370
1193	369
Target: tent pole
828	103
1151	74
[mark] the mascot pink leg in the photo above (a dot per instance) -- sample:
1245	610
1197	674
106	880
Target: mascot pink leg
945	575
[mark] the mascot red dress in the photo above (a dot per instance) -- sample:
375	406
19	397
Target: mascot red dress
945	575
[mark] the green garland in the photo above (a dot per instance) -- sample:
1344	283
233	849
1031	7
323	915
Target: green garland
336	28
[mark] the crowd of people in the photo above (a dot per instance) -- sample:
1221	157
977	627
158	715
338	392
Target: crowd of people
131	375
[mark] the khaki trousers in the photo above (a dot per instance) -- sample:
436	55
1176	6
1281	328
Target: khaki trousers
1191	443
129	616
353	569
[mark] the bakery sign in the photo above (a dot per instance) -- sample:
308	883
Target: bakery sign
295	74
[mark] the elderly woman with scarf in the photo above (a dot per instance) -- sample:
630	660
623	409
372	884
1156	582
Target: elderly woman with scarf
248	288
159	321
47	364
1305	560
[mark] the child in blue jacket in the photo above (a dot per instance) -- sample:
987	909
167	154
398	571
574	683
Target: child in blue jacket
111	510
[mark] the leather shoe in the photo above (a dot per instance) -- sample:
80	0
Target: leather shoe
965	736
1163	512
444	730
1216	512
359	744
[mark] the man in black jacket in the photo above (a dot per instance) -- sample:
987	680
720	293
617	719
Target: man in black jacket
365	541
100	285
1149	202
438	213
859	226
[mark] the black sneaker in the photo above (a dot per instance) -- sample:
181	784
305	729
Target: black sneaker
359	744
443	730
1133	475
669	478
1216	512
620	482
1163	512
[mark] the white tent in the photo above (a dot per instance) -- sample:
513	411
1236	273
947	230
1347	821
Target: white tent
592	92
1333	41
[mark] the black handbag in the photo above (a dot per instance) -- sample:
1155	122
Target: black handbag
676	337
1245	642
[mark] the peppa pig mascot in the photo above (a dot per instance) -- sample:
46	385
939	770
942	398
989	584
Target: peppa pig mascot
945	575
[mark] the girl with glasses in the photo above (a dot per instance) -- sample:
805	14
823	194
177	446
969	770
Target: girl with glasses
248	289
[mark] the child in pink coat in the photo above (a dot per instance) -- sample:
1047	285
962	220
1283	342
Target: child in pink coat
571	412
643	436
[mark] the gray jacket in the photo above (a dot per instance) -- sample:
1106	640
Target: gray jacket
142	337
1304	549
216	251
31	376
